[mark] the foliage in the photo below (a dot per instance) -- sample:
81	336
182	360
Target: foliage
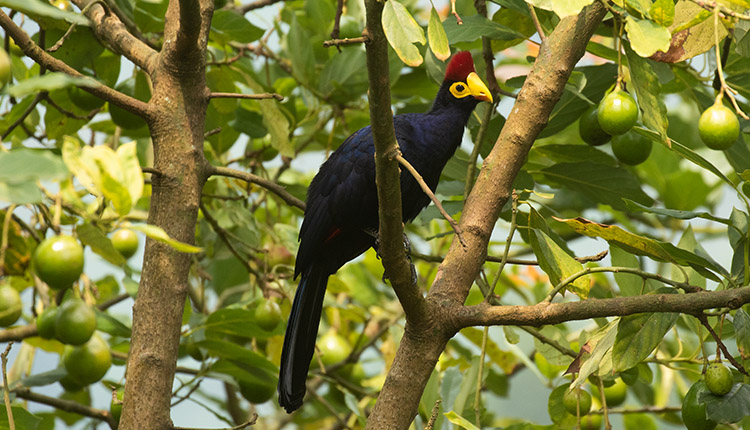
674	224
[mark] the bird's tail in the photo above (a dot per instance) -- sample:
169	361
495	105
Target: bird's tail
299	340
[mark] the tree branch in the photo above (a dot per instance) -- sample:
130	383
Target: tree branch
261	96
190	26
257	180
256	5
33	51
555	313
387	175
67	406
108	27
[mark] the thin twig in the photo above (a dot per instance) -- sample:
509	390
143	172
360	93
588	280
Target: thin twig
257	180
250	422
257	5
459	21
433	416
428	191
345	41
704	320
224	235
337	20
6	390
66	405
508	241
261	96
537	24
23	116
517	261
4	242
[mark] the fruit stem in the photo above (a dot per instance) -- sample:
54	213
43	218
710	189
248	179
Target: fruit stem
720	72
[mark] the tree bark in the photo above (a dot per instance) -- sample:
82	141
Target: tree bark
180	98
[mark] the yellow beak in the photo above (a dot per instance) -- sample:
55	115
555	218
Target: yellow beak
478	88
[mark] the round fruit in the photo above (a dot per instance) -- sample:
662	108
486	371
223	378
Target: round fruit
89	362
333	348
115	408
268	314
590	130
573	399
694	412
59	261
46	321
70	385
615	394
256	392
278	254
84	99
719	127
631	148
4	68
618	112
719	379
75	322
591	422
125	242
10	305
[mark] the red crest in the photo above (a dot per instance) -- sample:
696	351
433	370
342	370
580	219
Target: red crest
460	66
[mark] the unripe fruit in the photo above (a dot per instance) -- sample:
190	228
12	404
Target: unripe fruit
590	130
75	322
89	362
125	242
10	305
268	314
577	400
45	323
256	392
618	112
694	412
631	148
719	127
115	408
333	348
4	68
59	261
719	379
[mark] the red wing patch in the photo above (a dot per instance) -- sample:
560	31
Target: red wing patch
334	232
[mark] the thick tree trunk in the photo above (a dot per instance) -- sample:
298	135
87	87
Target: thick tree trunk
180	99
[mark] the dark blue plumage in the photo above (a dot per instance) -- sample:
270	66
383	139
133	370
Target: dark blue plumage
342	208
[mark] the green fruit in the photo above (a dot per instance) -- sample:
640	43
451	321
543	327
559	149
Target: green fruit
10	305
75	322
268	314
333	348
256	392
115	408
719	379
615	394
573	399
631	148
590	130
59	261
719	127
694	412
618	112
46	321
4	68
125	242
591	422
89	362
84	99
278	254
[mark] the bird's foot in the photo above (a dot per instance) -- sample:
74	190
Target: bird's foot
407	249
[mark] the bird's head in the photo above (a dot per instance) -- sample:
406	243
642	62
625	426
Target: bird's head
462	80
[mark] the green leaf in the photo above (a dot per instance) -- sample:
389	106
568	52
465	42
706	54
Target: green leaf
602	183
562	8
729	408
158	234
476	26
31	165
238	354
641	245
298	45
345	75
229	26
44	9
630	284
557	264
552	354
595	353
460	421
22	419
662	12
640	421
132	175
512	19
700	35
111	325
402	32
648	90
274	120
503	359
42	379
673	213
646	36
437	37
47	82
741	322
99	243
113	190
638	335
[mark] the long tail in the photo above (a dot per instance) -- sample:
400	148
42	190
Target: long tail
299	340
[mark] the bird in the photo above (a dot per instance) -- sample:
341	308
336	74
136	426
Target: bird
341	216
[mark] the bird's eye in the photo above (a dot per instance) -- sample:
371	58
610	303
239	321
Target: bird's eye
459	90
